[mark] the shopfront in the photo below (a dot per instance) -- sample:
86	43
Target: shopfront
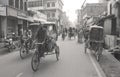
2	21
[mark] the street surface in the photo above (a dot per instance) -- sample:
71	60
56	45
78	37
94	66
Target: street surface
73	63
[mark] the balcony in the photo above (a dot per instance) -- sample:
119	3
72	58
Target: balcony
36	8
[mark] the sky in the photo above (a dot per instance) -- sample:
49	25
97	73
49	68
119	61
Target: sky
70	6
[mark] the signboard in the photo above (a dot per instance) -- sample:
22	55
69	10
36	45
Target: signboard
2	11
11	12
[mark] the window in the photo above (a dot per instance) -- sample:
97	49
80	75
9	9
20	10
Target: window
30	4
53	4
21	4
53	15
35	3
25	6
48	15
40	3
16	3
48	4
11	3
110	8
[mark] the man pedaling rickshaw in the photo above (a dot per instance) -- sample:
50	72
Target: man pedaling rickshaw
44	36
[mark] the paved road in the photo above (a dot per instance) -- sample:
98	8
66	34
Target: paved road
73	63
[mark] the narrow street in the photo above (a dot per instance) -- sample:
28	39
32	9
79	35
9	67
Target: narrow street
73	63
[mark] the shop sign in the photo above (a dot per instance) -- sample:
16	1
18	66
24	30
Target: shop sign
2	11
11	12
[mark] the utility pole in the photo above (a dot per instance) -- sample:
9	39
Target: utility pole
83	4
82	9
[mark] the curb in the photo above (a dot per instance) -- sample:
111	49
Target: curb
96	65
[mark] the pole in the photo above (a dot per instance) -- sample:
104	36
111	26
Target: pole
83	4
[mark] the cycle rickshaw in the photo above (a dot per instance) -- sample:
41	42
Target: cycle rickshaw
27	43
95	40
46	46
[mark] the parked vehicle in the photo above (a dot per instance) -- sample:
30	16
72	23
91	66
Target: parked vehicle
26	45
95	41
9	44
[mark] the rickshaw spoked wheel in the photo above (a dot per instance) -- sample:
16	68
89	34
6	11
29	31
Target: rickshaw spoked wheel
35	62
57	52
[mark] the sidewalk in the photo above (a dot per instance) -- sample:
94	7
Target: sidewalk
110	65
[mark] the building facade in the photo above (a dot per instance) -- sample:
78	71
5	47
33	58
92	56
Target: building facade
94	9
13	17
114	21
91	10
52	8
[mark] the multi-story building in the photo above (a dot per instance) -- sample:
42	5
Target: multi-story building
112	23
13	16
92	10
52	8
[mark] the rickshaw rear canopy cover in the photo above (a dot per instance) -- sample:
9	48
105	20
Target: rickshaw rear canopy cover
96	33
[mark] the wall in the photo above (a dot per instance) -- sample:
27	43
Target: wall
94	9
110	41
4	2
4	25
107	26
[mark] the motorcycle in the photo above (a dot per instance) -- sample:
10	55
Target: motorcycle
10	44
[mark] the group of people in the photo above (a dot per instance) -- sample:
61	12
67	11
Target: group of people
71	32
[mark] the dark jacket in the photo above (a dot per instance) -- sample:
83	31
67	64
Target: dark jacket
41	34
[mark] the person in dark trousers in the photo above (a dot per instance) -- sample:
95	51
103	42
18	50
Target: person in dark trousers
40	37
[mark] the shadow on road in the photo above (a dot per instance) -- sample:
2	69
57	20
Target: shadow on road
4	51
45	64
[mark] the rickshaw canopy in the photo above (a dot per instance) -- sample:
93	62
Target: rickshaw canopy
95	26
96	33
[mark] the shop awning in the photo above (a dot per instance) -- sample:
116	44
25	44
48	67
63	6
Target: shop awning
39	20
30	19
23	18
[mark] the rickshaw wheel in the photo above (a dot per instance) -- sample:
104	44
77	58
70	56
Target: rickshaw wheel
57	52
35	62
22	52
99	54
85	48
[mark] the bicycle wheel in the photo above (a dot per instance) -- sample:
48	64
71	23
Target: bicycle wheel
35	62
57	52
22	52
